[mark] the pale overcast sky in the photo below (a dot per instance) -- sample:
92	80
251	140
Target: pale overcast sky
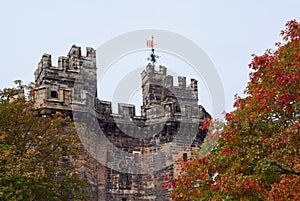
228	31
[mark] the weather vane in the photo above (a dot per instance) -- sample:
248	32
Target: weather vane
153	57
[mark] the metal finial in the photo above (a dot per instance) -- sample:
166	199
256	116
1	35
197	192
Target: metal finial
153	57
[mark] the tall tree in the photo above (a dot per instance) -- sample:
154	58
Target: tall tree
257	157
36	153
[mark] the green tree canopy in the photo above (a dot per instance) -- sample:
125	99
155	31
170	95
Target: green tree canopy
36	153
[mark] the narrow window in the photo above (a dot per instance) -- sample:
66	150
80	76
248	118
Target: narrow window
177	108
54	94
185	157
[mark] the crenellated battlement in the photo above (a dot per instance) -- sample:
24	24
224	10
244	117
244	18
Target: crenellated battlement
182	84
126	111
57	84
71	87
150	70
73	63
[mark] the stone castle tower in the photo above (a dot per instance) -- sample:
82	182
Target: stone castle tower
169	113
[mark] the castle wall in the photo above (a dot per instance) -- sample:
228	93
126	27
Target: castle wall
170	116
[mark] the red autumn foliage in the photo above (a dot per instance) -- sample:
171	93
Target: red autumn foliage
257	155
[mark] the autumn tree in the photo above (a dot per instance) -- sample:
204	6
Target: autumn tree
257	157
36	153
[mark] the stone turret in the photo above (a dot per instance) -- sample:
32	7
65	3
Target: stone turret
72	85
55	89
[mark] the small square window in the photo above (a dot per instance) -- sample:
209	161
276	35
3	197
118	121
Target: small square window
54	94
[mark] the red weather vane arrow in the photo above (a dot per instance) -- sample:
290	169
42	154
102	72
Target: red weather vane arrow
150	43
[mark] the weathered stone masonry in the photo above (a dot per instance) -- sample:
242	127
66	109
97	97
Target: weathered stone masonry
167	108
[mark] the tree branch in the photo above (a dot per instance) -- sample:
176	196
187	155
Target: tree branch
286	171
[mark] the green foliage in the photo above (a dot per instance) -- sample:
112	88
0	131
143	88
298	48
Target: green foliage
36	153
